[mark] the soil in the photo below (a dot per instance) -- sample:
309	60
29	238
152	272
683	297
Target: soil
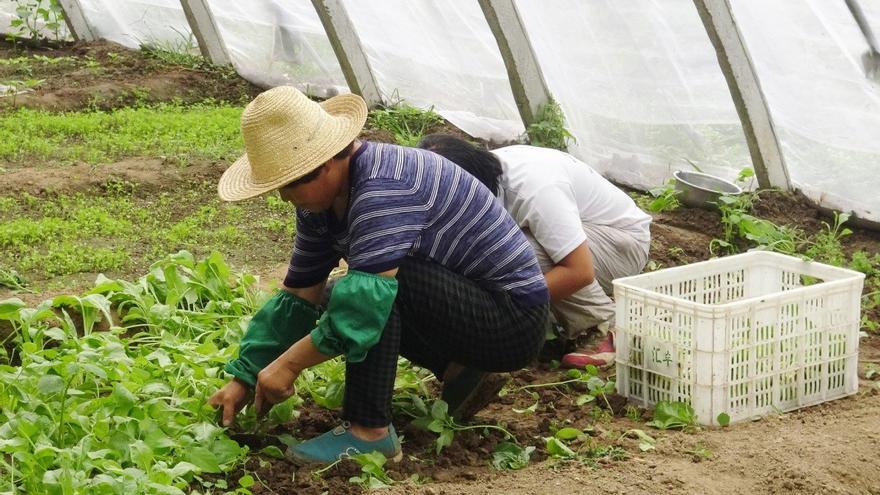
105	75
829	448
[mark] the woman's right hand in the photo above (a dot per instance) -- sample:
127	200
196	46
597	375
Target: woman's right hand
231	399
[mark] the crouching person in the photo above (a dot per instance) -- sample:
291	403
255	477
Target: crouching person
438	272
585	231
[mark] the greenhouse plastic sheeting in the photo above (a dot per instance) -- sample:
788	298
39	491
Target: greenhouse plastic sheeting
132	23
827	114
276	42
640	86
441	54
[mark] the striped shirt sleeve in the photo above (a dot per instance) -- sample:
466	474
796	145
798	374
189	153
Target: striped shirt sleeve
313	254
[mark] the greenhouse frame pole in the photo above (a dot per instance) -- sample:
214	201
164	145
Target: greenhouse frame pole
349	50
530	90
745	89
204	27
76	21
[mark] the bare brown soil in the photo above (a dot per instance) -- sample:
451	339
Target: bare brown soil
830	448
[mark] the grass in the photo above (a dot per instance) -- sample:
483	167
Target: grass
408	124
124	232
182	132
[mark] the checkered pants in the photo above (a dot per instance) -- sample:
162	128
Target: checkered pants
440	317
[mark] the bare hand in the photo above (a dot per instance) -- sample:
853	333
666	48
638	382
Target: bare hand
274	385
231	398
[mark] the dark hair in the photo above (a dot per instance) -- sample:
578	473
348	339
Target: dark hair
479	162
306	178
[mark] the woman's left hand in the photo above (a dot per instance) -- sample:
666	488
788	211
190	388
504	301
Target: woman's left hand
274	385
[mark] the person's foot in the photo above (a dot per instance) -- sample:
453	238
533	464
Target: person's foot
340	443
469	391
601	355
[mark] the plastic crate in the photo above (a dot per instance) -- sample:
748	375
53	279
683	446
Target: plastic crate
744	335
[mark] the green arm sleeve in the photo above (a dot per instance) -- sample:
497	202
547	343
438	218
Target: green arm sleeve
283	320
356	315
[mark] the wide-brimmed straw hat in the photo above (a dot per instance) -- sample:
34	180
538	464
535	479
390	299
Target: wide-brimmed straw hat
286	136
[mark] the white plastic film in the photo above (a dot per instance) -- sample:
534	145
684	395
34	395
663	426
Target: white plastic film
640	86
439	54
827	113
133	23
274	42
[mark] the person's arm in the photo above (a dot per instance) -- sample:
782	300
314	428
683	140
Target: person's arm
335	334
572	273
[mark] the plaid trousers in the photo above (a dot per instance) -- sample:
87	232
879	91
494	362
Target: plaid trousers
441	317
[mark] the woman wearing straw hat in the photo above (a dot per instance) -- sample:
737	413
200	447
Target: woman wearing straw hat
438	272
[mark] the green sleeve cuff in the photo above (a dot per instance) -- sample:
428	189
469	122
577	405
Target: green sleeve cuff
283	320
356	315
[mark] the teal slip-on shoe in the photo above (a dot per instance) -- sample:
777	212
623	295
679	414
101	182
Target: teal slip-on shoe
339	443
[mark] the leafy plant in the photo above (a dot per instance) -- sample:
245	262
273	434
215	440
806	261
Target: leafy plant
587	378
738	223
438	420
665	198
14	87
669	415
88	411
548	131
510	456
373	473
30	14
825	246
646	442
408	124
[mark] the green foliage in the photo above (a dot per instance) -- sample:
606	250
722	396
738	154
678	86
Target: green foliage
437	420
31	14
665	198
373	473
723	419
587	378
825	246
738	224
95	412
10	279
510	456
408	124
549	130
61	235
646	442
669	415
178	133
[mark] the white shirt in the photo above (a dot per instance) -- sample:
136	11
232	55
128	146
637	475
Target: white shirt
554	195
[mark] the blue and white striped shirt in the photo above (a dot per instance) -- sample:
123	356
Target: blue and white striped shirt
412	202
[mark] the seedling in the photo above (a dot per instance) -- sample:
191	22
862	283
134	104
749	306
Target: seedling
510	456
665	198
408	124
826	245
438	421
646	442
548	131
373	473
673	415
589	377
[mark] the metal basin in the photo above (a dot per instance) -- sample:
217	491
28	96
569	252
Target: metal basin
700	190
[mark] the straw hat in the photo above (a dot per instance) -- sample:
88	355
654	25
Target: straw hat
286	136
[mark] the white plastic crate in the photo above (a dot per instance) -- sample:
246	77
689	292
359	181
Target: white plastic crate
744	335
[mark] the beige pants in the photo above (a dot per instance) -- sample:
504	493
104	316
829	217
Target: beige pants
615	254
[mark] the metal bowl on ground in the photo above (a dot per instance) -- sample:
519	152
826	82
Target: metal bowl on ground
699	190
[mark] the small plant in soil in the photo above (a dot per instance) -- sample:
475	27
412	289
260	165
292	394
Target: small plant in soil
31	14
826	245
673	415
665	198
586	381
408	124
437	420
548	131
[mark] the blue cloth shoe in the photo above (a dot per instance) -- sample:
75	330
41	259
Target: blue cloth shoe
340	443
